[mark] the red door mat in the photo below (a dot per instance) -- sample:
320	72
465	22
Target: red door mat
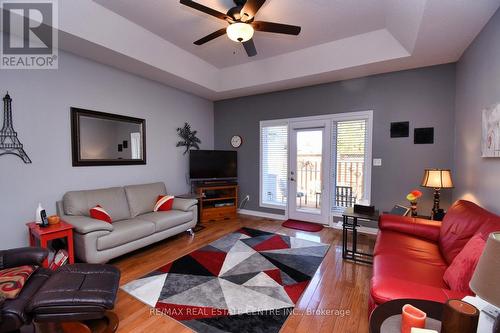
301	225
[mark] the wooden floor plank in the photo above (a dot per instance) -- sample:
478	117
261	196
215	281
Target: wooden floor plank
336	286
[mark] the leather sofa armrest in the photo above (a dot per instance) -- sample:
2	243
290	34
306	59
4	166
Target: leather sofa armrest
22	256
427	229
184	204
84	224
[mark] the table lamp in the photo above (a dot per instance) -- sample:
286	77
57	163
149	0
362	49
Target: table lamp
484	282
437	179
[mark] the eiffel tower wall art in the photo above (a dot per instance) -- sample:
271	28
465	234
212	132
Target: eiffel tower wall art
9	142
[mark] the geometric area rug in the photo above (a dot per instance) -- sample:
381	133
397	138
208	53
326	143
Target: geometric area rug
247	281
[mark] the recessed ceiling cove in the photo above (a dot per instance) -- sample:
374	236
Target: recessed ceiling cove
339	39
321	21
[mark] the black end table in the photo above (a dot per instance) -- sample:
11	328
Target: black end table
350	223
384	311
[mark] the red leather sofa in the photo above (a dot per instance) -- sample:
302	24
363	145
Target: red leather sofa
411	255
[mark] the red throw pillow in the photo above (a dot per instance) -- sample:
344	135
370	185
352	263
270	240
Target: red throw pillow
459	273
12	280
164	203
99	213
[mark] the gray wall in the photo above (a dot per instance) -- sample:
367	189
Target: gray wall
425	97
478	87
41	111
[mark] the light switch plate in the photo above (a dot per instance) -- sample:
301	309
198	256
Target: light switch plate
377	162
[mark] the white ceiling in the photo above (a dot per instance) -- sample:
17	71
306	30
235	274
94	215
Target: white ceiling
340	39
321	21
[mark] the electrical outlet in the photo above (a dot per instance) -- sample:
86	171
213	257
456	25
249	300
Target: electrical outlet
377	162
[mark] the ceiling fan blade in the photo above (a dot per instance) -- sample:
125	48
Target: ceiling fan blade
250	9
276	28
205	9
250	48
213	35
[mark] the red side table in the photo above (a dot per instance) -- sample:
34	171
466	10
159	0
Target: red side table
46	234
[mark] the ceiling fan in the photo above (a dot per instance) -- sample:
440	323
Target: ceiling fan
241	23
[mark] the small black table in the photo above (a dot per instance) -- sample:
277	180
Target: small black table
384	311
350	223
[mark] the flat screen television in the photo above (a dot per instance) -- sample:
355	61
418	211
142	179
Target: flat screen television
212	164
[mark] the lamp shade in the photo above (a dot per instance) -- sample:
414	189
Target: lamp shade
484	282
240	32
437	178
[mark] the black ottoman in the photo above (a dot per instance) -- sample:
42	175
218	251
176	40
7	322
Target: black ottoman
76	293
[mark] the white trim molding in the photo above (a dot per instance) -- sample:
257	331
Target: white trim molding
262	214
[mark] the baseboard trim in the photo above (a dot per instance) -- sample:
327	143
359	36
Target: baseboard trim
262	214
361	230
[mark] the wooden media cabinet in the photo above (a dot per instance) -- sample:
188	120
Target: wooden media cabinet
218	202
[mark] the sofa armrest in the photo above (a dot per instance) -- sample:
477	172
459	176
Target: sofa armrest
84	224
22	256
413	226
184	204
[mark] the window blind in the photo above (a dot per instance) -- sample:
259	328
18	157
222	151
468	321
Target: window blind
274	165
349	161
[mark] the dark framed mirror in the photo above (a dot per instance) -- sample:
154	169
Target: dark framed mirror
99	138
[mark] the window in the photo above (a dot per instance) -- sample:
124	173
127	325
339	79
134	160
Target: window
348	168
350	164
274	164
135	144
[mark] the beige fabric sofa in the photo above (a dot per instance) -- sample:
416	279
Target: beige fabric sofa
135	225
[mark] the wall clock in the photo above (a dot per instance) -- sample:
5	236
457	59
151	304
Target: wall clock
236	141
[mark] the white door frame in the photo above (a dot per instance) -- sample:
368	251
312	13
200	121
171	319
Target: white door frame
292	211
330	118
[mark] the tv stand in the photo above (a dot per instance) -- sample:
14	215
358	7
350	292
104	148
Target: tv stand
217	202
214	182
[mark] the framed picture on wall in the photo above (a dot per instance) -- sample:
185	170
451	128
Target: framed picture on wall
490	141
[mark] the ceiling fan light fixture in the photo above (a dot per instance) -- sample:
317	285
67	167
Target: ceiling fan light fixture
240	32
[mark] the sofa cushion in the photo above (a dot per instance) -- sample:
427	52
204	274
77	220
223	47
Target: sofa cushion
409	269
100	213
386	288
164	203
79	203
13	310
408	247
167	220
460	272
124	232
12	280
142	198
491	225
461	222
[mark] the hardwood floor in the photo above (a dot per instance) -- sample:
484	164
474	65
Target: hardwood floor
338	287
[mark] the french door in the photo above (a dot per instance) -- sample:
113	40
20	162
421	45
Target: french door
308	178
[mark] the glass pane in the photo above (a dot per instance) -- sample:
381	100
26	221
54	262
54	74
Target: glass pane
106	139
309	178
274	145
350	140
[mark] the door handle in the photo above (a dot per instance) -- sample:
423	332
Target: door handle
292	179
